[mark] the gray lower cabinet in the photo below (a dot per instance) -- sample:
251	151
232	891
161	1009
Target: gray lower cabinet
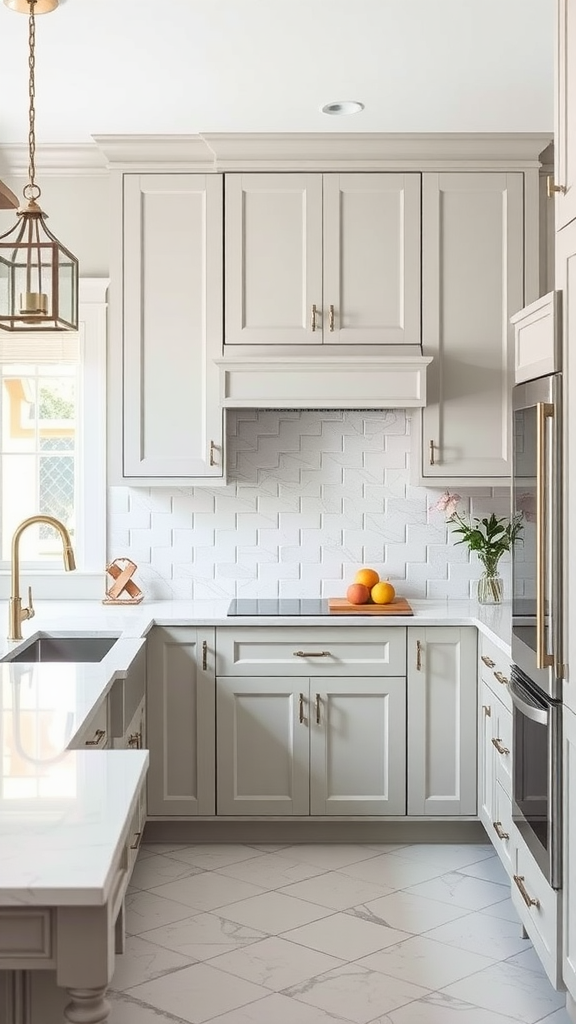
311	745
442	670
180	721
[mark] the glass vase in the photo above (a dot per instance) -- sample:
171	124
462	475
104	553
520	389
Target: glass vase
490	588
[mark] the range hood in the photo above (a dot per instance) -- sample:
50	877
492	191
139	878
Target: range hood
396	380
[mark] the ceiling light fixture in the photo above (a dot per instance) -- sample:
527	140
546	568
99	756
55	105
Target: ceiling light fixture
340	107
38	275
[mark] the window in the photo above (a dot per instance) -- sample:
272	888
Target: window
52	439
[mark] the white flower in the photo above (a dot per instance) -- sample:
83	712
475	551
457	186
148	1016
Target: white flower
447	503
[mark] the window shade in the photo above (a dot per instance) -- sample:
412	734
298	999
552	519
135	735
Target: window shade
41	348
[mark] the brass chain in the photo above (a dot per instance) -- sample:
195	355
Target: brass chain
31	190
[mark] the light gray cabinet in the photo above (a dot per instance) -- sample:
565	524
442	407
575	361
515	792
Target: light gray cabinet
565	113
495	753
181	709
442	670
569	852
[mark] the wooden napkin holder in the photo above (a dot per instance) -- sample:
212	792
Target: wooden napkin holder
122	590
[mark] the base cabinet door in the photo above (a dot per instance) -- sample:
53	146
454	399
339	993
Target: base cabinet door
357	746
442	670
262	745
486	760
569	879
180	721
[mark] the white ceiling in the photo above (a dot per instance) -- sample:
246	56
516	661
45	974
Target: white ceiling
188	66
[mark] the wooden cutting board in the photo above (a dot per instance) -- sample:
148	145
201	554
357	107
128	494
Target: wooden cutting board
399	606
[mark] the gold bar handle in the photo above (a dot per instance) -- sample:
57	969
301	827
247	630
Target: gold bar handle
497	826
212	457
529	900
301	708
331	318
98	737
311	654
497	742
544	410
418	656
551	188
313	317
137	841
317	702
501	678
487	661
487	710
432	459
204	654
135	741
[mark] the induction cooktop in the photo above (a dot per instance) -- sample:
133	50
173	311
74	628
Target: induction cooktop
279	606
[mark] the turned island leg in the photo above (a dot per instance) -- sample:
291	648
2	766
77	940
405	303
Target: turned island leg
87	1006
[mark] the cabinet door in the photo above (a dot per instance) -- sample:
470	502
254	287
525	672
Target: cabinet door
569	852
371	258
472	282
486	760
565	113
172	420
442	671
262	745
273	246
358	746
180	723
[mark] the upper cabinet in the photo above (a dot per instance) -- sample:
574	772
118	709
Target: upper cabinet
564	184
316	259
472	281
172	423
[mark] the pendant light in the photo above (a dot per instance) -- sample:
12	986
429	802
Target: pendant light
38	275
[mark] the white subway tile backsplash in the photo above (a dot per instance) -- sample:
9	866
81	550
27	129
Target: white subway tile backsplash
310	497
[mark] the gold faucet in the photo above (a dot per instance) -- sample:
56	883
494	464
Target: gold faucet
16	613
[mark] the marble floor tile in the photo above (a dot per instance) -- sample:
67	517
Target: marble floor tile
407	912
529	959
273	912
206	891
425	962
491	869
330	856
154	870
452	856
394	871
198	993
215	855
272	871
203	936
276	963
512	991
144	911
125	1009
437	1008
277	1009
345	936
480	933
355	993
461	891
336	890
504	910
144	961
558	1017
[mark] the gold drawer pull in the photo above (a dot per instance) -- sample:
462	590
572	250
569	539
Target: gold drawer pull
311	654
212	456
317	709
204	655
331	318
487	710
98	736
487	661
135	740
418	655
551	188
431	459
501	678
313	317
137	841
497	826
499	747
301	708
528	899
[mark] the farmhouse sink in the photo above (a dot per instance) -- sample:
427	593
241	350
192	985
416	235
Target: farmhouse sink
72	647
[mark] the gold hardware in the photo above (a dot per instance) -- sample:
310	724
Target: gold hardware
212	458
311	654
487	710
418	656
331	318
16	613
497	742
432	460
137	841
313	317
501	678
98	736
487	661
551	188
135	741
301	708
497	826
528	899
204	654
317	709
544	410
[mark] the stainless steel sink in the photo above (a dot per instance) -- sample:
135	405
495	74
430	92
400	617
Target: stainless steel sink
77	647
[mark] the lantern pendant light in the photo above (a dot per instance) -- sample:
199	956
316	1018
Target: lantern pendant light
38	275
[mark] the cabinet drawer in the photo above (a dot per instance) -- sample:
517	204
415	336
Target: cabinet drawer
502	742
495	670
306	651
541	919
504	830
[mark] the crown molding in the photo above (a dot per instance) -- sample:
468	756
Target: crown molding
155	152
59	160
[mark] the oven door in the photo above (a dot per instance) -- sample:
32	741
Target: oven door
536	787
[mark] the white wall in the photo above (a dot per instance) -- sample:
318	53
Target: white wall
311	497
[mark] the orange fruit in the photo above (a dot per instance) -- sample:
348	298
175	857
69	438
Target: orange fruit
383	593
357	593
369	577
